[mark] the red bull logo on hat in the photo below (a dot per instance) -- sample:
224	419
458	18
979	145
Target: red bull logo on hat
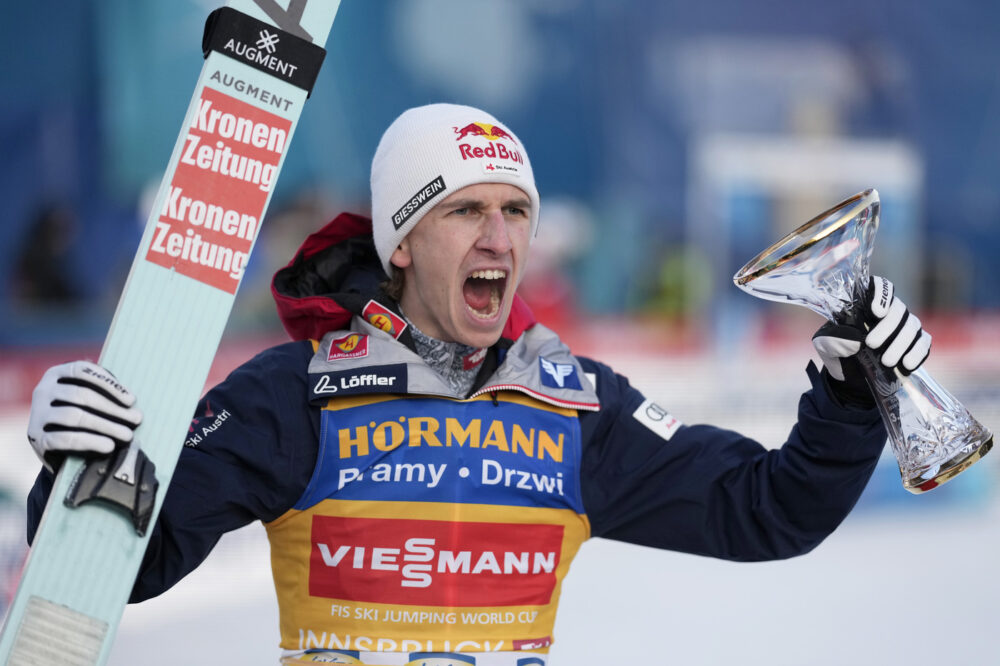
494	151
486	130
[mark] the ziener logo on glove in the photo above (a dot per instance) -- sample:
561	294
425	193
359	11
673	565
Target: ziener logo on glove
106	378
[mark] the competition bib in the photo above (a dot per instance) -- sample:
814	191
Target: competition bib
432	526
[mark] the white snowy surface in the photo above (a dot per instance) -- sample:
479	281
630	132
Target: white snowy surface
905	579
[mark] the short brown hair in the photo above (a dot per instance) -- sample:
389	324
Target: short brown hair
393	287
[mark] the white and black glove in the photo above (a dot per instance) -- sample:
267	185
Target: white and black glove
80	408
889	329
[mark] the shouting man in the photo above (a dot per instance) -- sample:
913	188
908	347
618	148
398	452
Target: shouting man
427	459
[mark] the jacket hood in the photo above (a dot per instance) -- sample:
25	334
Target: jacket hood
336	274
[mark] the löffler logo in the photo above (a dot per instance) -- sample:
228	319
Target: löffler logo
433	562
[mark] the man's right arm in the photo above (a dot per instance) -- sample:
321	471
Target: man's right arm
249	454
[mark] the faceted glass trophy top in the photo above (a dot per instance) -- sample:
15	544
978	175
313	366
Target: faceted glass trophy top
823	264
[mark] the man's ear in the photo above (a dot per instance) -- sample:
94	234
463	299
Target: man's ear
401	256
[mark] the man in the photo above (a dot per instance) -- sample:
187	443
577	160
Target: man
427	459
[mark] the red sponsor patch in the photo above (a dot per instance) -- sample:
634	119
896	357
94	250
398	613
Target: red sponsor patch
472	359
213	206
433	562
383	319
352	345
533	643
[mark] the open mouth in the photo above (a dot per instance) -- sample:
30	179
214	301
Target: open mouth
483	291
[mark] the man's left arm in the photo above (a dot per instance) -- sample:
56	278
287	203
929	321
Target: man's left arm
650	480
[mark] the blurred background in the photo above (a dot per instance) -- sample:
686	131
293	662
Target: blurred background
671	141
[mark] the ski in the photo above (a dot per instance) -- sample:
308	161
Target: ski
262	59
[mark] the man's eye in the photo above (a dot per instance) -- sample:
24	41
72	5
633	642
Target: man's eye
460	211
514	210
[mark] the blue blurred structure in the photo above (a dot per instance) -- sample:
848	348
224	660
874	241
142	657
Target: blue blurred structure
609	97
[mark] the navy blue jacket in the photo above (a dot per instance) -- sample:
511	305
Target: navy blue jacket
705	490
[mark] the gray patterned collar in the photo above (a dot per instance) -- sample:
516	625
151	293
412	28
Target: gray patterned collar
447	359
537	364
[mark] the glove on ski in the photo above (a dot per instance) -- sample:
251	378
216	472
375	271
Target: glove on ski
893	332
80	407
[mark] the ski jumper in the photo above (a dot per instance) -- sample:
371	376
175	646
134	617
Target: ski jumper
408	523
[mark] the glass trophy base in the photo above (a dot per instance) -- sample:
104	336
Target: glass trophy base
939	474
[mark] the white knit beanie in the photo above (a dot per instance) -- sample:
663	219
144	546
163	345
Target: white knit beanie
431	151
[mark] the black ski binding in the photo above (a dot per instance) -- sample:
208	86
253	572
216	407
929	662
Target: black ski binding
126	479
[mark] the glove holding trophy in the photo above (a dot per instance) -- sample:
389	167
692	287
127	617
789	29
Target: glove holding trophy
824	265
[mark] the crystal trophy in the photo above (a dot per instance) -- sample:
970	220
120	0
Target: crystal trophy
824	265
